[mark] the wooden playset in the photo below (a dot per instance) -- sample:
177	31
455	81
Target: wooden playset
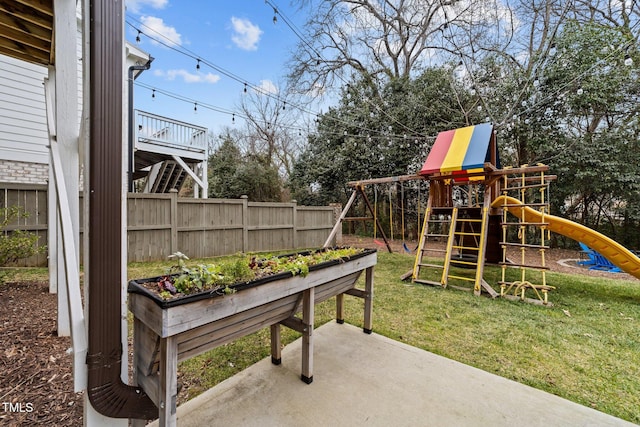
480	212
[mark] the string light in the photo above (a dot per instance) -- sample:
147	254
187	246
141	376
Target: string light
275	16
138	37
195	106
198	65
153	93
182	50
628	61
233	118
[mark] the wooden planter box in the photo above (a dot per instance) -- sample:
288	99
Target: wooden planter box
168	333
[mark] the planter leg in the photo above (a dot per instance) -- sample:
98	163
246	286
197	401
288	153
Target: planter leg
368	302
308	299
340	308
168	381
276	352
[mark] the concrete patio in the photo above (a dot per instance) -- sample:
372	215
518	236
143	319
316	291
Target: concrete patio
362	379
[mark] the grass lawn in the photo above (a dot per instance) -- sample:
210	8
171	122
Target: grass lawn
586	348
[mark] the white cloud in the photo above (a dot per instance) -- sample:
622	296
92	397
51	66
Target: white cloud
246	35
267	87
134	6
157	29
188	77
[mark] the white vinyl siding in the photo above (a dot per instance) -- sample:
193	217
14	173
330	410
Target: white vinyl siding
23	121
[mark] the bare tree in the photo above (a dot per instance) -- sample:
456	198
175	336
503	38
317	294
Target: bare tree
271	130
373	39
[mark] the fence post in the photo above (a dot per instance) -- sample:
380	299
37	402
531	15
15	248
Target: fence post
245	222
337	211
294	215
174	220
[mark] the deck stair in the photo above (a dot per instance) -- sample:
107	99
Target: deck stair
168	151
165	176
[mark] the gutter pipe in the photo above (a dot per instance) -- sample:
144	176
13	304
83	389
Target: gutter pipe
106	391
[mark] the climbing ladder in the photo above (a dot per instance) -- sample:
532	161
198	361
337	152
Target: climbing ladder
531	192
435	229
466	235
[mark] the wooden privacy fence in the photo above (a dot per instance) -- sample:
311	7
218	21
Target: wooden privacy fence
161	224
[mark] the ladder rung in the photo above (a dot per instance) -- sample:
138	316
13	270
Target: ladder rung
455	261
522	187
466	247
525	223
469	220
524	245
437	235
431	265
434	250
533	267
462	233
522	205
468	279
427	282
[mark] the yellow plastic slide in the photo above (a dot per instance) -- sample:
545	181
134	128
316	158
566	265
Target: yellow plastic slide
610	249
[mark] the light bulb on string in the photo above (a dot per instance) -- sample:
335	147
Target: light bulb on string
195	107
233	118
580	91
198	65
245	88
153	93
552	49
628	60
138	37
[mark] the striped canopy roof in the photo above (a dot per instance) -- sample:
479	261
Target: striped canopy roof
460	150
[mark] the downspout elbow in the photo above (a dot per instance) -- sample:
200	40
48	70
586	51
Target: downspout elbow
110	396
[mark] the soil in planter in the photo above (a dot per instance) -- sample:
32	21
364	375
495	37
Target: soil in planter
230	275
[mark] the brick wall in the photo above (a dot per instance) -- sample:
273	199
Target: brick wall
23	172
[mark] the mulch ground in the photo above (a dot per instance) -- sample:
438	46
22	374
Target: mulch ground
36	370
36	387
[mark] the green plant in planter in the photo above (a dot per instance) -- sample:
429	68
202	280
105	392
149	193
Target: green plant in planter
182	279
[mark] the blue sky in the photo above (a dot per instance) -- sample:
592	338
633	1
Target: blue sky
238	37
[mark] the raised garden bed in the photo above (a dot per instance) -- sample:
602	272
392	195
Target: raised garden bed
169	331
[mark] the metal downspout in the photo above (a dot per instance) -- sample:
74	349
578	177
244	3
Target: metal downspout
106	390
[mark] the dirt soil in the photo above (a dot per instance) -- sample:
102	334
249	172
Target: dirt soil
36	370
